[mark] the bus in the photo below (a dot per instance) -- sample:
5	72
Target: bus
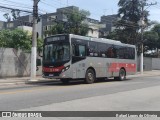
71	57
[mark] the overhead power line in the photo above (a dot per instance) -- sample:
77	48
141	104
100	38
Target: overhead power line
16	9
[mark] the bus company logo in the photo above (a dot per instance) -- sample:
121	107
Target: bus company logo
6	114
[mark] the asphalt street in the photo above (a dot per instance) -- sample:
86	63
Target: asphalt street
75	96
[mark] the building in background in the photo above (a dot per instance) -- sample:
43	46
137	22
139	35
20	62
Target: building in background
47	21
2	25
24	23
109	21
61	15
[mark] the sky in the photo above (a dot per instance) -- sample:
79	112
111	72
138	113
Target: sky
97	8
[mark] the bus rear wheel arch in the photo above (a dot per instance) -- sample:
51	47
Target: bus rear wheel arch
122	75
90	76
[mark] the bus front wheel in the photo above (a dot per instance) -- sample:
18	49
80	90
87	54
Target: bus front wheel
90	76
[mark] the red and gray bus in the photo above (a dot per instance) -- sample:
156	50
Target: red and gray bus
69	57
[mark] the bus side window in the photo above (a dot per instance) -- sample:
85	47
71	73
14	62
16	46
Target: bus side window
102	49
110	52
79	50
82	50
93	51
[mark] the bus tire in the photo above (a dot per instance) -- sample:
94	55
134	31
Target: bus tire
65	81
90	76
122	75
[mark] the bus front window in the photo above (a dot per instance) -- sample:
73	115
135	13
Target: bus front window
56	53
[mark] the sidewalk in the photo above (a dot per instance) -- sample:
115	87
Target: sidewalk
24	80
146	74
19	80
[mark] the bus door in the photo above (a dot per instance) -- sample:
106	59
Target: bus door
78	60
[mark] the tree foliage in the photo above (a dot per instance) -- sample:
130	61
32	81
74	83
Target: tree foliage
127	29
85	13
73	25
17	39
152	39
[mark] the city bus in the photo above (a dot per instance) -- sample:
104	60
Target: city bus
73	57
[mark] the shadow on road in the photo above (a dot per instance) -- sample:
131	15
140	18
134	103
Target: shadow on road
71	83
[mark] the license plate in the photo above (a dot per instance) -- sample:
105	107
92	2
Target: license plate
51	75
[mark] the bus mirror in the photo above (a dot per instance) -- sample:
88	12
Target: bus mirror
38	62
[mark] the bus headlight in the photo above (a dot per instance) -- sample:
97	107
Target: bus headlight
66	68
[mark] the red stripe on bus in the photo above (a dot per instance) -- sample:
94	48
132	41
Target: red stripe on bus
115	67
51	70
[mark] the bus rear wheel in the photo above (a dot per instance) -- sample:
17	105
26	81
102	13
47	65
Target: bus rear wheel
90	76
65	81
122	75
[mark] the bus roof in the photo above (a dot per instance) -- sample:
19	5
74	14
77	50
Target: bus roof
103	40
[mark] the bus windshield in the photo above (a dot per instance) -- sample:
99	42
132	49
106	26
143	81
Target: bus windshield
56	53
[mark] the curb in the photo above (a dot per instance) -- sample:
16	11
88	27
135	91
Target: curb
42	80
11	83
141	75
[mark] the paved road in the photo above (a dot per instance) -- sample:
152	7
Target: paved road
133	94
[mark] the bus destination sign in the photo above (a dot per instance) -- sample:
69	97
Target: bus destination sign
56	38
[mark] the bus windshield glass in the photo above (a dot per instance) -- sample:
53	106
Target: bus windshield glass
56	53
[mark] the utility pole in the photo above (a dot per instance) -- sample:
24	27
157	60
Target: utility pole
34	41
142	32
142	24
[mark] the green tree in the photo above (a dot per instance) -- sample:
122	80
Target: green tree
40	45
113	35
156	29
73	25
151	40
85	13
130	12
18	39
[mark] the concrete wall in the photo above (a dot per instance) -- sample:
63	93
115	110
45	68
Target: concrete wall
155	63
15	63
147	64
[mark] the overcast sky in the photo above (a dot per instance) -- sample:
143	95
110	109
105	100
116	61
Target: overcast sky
97	8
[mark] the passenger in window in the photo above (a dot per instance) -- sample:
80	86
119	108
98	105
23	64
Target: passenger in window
110	53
